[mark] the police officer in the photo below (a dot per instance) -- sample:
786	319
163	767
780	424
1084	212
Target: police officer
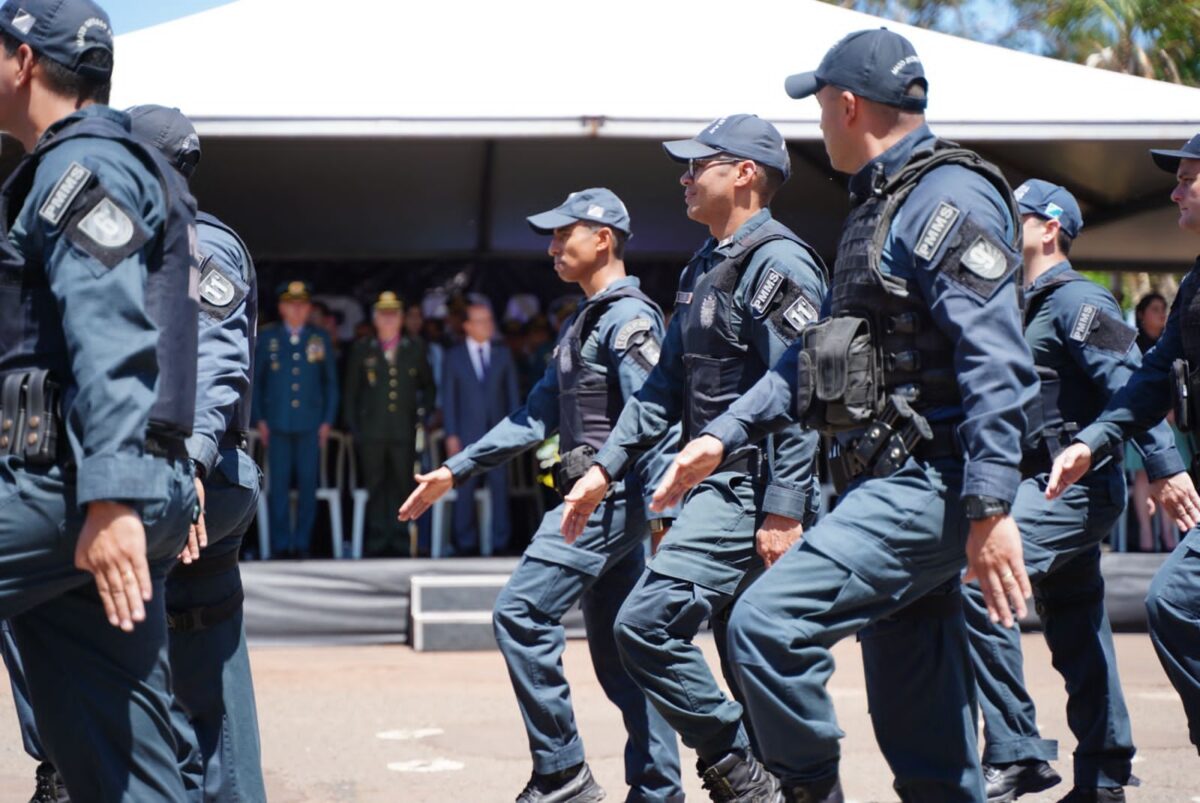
295	402
604	352
97	395
215	713
742	299
388	383
1173	602
921	378
1084	353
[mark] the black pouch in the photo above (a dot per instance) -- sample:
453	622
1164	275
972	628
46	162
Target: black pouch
29	416
573	465
839	374
1181	395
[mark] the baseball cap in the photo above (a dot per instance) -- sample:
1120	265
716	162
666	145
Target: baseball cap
170	131
1052	202
294	291
595	205
876	64
62	30
1169	160
744	135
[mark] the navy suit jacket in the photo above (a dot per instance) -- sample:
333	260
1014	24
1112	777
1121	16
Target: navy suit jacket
470	407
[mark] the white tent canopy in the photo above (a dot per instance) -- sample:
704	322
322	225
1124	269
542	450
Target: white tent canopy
485	72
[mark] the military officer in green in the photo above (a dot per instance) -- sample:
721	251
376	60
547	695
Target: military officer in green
295	403
388	384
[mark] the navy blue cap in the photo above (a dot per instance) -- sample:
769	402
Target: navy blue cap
1052	202
595	205
744	135
62	30
170	131
1169	160
876	64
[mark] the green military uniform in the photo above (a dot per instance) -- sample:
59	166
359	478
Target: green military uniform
386	385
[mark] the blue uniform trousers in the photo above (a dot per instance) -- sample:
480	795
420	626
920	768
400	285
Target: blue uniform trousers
597	570
214	695
292	454
20	693
100	697
702	565
1173	605
885	563
1062	555
467	523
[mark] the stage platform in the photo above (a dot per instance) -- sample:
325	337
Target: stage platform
371	601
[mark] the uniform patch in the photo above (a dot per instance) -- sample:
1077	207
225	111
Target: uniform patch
629	330
1083	322
107	224
985	259
647	353
936	229
220	293
105	231
772	280
683	298
708	310
23	21
564	359
800	314
64	192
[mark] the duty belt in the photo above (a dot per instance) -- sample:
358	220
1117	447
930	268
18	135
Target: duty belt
570	467
30	417
166	447
748	462
234	439
888	441
1050	443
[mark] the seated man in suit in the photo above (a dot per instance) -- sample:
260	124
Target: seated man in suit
479	387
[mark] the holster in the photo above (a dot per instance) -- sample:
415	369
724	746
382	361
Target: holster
30	417
896	434
1182	397
573	465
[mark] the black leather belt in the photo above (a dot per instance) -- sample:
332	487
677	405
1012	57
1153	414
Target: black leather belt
234	439
749	461
166	447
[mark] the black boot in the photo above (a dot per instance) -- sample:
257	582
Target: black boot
572	785
50	787
1105	794
1007	782
738	778
827	790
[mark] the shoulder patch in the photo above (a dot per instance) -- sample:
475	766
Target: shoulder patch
631	328
64	192
936	229
985	259
220	294
103	229
1083	322
800	314
768	286
683	298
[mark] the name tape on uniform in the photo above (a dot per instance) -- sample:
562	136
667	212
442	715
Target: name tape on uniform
630	329
64	193
772	280
1083	322
936	229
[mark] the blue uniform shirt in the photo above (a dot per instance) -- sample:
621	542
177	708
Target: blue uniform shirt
109	336
992	361
223	369
539	416
1063	336
1146	398
295	379
791	491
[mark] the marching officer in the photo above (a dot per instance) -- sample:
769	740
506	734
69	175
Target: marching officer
743	299
98	333
388	384
1084	353
921	378
294	405
604	352
1168	376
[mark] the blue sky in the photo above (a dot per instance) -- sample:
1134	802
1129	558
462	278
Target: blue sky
130	15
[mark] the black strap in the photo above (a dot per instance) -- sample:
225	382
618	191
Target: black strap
207	566
10	413
194	619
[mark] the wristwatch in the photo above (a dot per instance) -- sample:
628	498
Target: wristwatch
984	507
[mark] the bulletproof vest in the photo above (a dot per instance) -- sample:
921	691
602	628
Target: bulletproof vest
913	358
31	334
1189	326
1050	414
719	365
589	402
241	416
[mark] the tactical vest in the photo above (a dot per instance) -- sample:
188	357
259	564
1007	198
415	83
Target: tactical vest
1189	326
241	416
1186	372
903	354
31	333
719	365
589	402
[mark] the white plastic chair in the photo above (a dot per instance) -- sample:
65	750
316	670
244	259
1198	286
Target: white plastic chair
358	497
332	494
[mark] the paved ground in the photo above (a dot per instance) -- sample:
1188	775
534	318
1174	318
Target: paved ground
389	725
